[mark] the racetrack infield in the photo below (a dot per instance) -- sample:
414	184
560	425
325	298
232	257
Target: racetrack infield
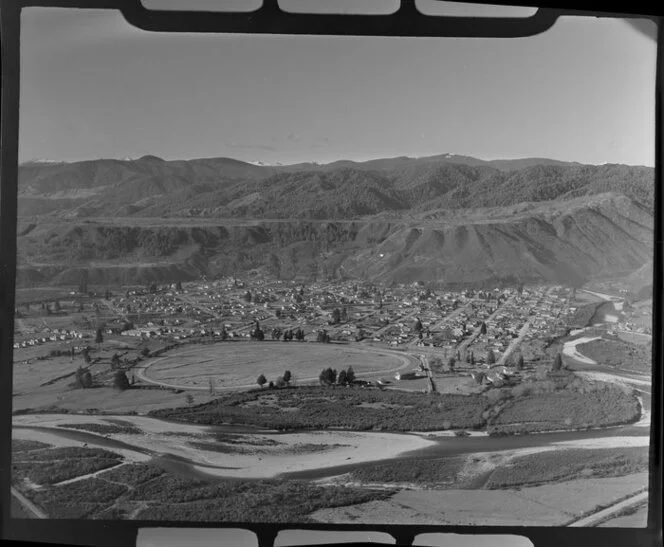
238	365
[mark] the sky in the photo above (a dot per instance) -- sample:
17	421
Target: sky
93	86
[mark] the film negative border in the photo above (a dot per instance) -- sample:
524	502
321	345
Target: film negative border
270	19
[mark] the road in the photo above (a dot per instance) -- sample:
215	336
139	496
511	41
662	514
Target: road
113	308
447	318
608	297
601	515
380	331
475	334
28	505
514	343
196	305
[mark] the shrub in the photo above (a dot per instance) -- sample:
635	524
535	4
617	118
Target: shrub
120	381
558	465
522	390
316	409
132	474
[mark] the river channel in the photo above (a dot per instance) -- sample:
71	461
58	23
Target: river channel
439	447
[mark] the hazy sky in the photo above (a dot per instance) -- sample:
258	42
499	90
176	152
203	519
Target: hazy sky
93	86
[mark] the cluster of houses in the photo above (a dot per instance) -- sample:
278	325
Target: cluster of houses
346	310
52	335
628	326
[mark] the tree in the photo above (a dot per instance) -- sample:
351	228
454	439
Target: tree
328	376
472	358
87	379
247	296
451	363
261	381
189	398
277	313
120	381
257	334
336	316
483	328
56	306
83	283
350	375
145	352
342	379
271	385
520	364
280	382
491	358
287	376
99	337
557	362
478	377
178	286
418	325
115	361
212	383
275	265
86	355
78	377
344	314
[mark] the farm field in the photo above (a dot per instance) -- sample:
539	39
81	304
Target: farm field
619	354
102	399
635	518
239	364
635	338
30	375
549	505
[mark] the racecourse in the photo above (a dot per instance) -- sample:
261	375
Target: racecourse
237	365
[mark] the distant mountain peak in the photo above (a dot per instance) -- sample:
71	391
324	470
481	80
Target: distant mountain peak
150	157
42	161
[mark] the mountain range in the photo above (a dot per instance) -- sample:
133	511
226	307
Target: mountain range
447	218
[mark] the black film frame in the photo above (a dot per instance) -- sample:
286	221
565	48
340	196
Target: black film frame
269	19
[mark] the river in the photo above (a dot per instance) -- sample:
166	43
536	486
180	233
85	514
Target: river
440	447
437	447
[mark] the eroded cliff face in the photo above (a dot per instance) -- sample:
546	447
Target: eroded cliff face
565	242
